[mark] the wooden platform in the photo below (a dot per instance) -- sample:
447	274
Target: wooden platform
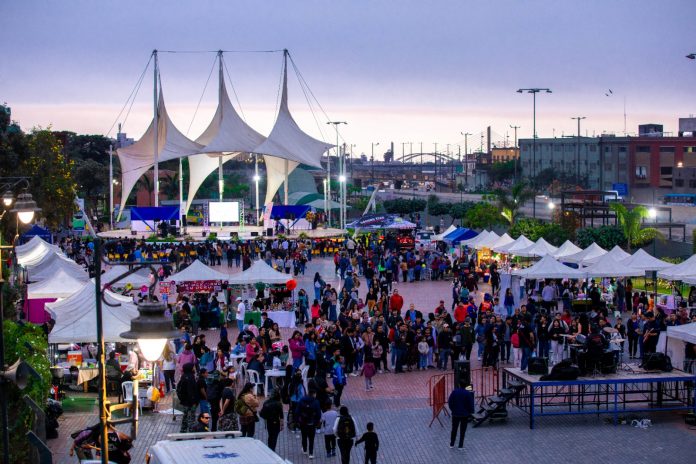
224	233
639	375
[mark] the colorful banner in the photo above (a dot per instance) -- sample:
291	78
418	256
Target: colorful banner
200	286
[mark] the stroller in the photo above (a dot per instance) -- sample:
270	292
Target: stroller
86	444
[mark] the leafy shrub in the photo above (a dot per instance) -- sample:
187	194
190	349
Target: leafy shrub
605	236
534	229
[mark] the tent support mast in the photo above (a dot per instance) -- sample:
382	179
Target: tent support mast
285	183
111	186
155	132
221	180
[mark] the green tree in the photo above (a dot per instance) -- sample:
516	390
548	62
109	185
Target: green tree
631	223
52	183
170	186
145	182
92	180
501	172
404	206
483	216
605	236
510	201
534	229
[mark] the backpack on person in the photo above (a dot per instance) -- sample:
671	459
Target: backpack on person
181	392
346	428
305	412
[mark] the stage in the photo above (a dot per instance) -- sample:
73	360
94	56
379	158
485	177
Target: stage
627	391
224	233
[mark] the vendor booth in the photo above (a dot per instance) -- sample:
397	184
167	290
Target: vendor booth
581	257
51	264
673	343
60	285
539	249
36	232
568	248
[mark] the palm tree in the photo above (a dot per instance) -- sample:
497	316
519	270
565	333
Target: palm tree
147	183
170	186
631	223
510	201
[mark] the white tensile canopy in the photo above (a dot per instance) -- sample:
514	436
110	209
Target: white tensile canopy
474	240
51	265
617	253
672	342
197	271
59	285
138	158
259	272
504	239
608	266
519	244
685	271
289	142
568	248
227	135
439	237
540	248
487	241
548	268
34	250
76	316
642	260
137	279
588	253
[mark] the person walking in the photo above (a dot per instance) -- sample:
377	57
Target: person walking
371	441
328	419
272	413
346	431
309	417
187	392
461	404
245	407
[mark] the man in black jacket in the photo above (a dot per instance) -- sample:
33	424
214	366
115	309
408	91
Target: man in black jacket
371	444
309	415
272	413
187	392
461	404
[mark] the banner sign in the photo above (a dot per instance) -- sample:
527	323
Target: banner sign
200	286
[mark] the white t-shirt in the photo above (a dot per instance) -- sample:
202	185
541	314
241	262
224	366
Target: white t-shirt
241	309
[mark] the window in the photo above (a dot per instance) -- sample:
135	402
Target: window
593	147
623	149
689	149
665	170
643	149
666	149
641	172
692	183
679	182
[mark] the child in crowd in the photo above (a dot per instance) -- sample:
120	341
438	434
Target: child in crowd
423	350
371	444
368	370
328	419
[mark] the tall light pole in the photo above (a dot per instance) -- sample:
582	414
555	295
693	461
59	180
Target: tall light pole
466	156
518	153
341	172
372	160
534	91
256	182
577	150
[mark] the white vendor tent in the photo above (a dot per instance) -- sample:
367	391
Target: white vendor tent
568	248
487	241
59	285
588	253
501	241
617	253
197	271
51	265
137	279
519	244
540	248
642	260
259	272
682	271
76	316
473	241
440	237
549	268
608	266
32	252
673	342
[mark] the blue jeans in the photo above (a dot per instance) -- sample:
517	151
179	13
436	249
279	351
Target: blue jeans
317	294
509	310
444	357
240	325
526	353
422	361
333	317
296	363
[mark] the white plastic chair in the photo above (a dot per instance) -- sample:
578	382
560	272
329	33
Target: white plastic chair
243	370
127	391
255	379
304	372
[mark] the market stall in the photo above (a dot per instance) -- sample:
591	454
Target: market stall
617	253
568	248
539	249
51	264
590	252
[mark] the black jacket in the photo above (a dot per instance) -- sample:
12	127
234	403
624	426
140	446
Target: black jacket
187	389
371	441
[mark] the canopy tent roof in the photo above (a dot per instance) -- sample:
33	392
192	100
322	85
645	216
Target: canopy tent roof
617	253
36	231
138	158
502	240
686	332
520	243
568	248
51	265
685	271
473	241
449	230
487	241
137	279
548	268
32	252
259	272
59	285
381	221
226	136
540	248
197	271
642	260
608	266
287	140
588	253
460	235
319	204
76	316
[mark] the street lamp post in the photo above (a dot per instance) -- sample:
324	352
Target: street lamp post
517	159
577	151
466	156
372	160
341	172
534	91
257	178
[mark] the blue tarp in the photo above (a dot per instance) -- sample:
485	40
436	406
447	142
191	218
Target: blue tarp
460	234
154	213
289	211
34	231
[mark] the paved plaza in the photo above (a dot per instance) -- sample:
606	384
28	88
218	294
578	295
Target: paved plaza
399	408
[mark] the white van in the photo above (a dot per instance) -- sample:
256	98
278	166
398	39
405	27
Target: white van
189	448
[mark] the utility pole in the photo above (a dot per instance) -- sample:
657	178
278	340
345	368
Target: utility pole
341	175
577	151
517	159
466	157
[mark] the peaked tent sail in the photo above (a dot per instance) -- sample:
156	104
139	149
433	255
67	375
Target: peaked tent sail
138	158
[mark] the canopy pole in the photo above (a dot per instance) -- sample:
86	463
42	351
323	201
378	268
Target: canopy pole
111	186
221	180
182	211
155	133
256	181
285	184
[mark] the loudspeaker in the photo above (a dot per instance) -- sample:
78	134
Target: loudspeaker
18	374
269	232
656	361
254	234
538	366
183	220
462	374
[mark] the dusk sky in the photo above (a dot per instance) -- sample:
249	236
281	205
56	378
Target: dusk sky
401	71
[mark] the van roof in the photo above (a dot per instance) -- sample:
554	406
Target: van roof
233	450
